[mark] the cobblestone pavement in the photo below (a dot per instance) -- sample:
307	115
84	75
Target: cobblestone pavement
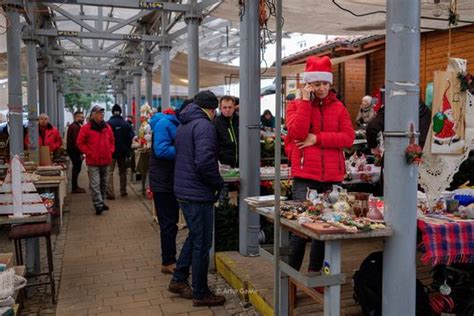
38	300
111	265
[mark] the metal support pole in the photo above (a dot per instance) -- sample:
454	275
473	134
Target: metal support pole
148	67
402	55
280	290
165	48
54	112
137	94
15	109
119	99
193	19
32	99
60	112
128	85
41	87
249	127
49	93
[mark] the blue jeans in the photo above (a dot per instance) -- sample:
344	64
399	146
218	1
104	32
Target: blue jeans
195	252
167	209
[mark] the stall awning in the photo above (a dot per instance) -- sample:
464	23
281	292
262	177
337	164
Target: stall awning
325	17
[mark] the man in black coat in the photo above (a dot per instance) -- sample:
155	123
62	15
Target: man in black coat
123	134
73	151
378	125
227	128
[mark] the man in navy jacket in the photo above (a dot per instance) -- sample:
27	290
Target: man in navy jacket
197	184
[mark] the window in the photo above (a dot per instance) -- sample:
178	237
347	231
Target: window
301	44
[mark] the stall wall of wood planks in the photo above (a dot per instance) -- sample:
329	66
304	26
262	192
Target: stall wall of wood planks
434	48
365	75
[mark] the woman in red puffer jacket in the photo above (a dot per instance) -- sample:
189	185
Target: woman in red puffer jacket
319	128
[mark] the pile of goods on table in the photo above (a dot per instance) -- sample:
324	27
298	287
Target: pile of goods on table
452	205
361	169
336	212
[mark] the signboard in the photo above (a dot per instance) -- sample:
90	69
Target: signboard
150	5
68	33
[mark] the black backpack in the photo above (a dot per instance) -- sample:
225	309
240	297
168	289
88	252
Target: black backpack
367	284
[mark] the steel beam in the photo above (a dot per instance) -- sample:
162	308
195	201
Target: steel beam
97	35
128	21
249	131
206	3
72	18
92	76
402	64
106	18
146	5
76	66
111	47
15	109
91	53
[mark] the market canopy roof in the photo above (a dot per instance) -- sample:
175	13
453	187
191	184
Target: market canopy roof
214	74
325	17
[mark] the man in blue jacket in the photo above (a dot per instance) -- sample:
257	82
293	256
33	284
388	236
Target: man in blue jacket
161	171
123	134
197	184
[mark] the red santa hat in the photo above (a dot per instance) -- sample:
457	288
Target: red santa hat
318	69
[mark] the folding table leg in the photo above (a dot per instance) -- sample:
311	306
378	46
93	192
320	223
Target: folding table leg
332	265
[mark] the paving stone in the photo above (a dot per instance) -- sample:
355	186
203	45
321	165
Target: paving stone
109	265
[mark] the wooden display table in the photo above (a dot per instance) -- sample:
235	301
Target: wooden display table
333	279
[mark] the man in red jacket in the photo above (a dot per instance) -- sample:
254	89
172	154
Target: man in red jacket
96	141
319	128
48	134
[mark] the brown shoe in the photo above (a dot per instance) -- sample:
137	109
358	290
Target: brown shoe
169	269
110	197
181	288
209	300
123	194
78	190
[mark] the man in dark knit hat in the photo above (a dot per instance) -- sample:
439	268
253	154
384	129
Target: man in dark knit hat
197	184
123	135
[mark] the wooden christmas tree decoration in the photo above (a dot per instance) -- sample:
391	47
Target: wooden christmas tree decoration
18	195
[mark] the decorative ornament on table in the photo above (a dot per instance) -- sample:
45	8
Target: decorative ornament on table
334	195
413	152
144	133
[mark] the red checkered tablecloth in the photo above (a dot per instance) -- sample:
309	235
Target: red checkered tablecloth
447	242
